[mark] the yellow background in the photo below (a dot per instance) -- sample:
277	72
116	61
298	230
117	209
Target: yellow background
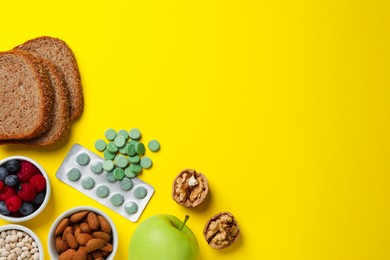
283	105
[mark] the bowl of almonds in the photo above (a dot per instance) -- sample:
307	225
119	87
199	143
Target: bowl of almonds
83	233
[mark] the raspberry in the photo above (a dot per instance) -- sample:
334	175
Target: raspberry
7	192
1	185
13	203
27	192
27	170
39	182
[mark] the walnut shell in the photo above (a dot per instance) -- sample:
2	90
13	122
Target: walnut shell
190	188
221	230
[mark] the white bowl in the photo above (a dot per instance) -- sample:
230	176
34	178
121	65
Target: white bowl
48	191
29	232
51	239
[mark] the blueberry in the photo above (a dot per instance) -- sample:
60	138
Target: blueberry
12	166
3	173
11	180
3	208
40	197
26	208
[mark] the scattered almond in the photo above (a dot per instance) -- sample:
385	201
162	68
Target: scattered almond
93	220
71	240
94	244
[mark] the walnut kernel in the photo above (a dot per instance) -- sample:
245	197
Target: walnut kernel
221	230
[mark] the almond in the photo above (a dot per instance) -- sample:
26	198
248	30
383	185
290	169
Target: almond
85	228
83	238
107	247
95	244
93	220
77	231
67	230
61	245
104	224
81	254
61	226
71	240
67	255
102	235
78	216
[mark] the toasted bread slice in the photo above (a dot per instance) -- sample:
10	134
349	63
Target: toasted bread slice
26	96
60	54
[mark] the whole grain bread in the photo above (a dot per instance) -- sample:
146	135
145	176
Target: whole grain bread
60	54
26	96
60	124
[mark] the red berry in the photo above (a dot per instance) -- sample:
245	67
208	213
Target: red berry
27	170
27	192
1	185
7	192
39	182
13	203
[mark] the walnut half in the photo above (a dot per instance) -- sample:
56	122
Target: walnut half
221	231
190	188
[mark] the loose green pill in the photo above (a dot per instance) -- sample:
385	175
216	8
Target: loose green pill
112	148
136	168
140	192
135	134
74	174
107	155
131	207
146	162
154	145
96	167
87	183
126	184
100	145
110	134
102	191
124	133
130	149
129	173
117	200
110	177
122	150
108	165
120	141
140	148
121	161
82	159
134	159
119	173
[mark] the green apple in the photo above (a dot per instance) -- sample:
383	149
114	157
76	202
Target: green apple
163	237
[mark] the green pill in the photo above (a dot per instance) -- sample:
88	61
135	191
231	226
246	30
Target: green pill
74	174
124	133
119	173
96	167
110	134
117	200
154	145
110	177
121	161
136	168
134	159
135	134
102	191
82	159
129	173
122	150
108	165
112	148
140	148
146	162
100	145
131	207
120	141
107	155
130	149
140	192
126	184
88	183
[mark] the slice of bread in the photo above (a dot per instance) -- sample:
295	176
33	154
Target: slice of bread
60	54
60	124
26	96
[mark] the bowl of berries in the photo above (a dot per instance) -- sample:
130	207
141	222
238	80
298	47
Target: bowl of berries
24	189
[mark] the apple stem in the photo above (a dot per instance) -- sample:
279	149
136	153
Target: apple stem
184	222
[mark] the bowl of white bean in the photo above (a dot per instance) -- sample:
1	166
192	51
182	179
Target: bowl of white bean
19	242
